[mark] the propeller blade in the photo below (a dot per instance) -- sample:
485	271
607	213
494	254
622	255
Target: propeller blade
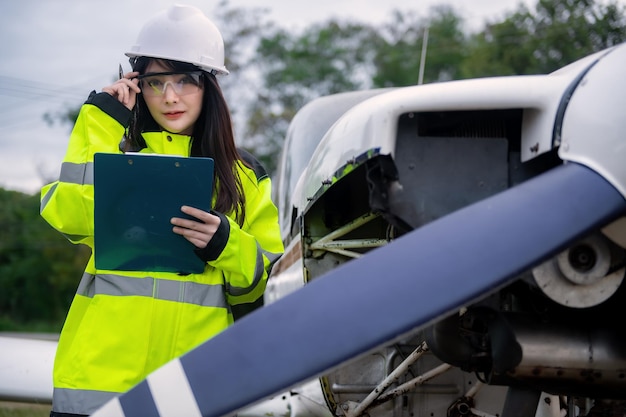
403	286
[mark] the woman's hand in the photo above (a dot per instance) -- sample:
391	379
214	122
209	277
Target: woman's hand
125	89
197	232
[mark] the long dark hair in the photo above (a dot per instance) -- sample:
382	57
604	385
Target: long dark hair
212	136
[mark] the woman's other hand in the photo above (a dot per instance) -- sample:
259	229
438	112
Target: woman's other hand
125	89
198	232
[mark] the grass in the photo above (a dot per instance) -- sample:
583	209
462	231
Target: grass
9	324
11	409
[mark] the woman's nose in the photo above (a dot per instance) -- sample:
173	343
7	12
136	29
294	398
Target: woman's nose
169	93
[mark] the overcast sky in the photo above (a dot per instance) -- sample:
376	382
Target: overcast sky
53	53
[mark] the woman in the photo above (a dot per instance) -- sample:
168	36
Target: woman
170	103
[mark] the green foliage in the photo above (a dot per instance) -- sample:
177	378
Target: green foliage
398	57
398	54
555	34
503	48
241	29
571	29
39	268
323	59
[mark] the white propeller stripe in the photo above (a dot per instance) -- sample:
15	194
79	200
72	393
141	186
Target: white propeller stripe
112	408
171	391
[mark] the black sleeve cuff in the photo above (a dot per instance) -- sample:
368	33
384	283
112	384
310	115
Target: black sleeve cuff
216	245
110	106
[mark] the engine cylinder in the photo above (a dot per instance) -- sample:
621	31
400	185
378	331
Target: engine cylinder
562	358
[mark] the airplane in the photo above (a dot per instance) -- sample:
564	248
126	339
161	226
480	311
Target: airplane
451	249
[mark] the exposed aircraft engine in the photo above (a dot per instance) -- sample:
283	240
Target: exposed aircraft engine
584	275
547	344
558	351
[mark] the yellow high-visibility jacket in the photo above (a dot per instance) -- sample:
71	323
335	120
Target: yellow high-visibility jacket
123	325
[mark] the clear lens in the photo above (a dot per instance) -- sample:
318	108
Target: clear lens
155	84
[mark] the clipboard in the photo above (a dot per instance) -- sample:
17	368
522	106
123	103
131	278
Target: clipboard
135	196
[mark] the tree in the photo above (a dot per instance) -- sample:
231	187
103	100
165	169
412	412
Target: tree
324	59
565	30
242	30
398	54
558	33
503	48
39	268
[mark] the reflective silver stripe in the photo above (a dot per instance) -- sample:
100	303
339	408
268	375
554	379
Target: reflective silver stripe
86	287
77	401
81	174
259	271
161	289
73	174
204	295
258	274
47	197
272	257
44	202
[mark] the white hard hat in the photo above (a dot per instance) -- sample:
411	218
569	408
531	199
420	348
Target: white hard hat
185	34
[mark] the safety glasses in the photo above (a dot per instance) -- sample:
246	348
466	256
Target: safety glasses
183	83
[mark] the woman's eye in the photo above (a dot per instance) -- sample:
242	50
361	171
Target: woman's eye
188	79
155	83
